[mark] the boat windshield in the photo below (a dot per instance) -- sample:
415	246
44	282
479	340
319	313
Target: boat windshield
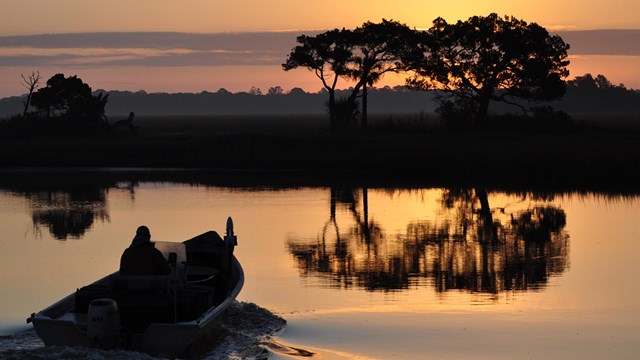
168	247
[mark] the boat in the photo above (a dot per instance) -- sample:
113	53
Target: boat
158	315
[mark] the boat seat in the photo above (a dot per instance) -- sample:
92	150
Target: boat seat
142	299
142	283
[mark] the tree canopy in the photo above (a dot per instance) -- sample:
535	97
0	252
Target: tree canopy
325	54
487	59
377	50
362	55
472	62
71	98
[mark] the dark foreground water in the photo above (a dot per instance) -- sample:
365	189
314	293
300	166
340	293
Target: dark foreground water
361	273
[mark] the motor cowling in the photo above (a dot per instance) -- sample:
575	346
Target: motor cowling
103	323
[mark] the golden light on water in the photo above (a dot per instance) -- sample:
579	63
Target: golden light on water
417	264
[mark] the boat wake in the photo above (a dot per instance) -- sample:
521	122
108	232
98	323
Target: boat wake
247	327
245	332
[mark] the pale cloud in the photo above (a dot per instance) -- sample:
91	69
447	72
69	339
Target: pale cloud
222	49
560	27
603	42
146	49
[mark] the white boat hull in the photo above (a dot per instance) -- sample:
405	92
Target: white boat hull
60	325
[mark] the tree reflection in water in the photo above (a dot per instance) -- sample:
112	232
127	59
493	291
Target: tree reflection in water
68	214
469	246
70	211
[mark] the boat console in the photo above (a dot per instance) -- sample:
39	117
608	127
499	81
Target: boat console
196	283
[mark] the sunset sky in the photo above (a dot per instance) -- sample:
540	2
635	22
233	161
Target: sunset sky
176	67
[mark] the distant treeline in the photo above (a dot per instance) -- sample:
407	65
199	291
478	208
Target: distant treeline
223	102
585	94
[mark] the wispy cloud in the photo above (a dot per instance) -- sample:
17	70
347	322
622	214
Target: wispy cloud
86	50
146	49
603	42
560	27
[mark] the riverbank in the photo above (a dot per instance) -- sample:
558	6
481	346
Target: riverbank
295	147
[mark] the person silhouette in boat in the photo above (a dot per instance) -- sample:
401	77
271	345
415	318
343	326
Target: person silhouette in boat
142	258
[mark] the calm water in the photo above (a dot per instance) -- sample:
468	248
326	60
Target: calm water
356	273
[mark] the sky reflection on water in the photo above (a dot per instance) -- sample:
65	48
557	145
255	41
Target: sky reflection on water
423	262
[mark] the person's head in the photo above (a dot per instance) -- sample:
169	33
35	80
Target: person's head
143	231
143	235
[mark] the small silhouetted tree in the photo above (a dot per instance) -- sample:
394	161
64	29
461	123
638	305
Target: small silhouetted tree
61	95
255	91
488	59
31	83
275	90
325	54
297	91
603	82
70	98
70	101
598	94
587	82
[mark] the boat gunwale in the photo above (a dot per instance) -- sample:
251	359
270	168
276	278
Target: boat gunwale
66	303
214	312
191	330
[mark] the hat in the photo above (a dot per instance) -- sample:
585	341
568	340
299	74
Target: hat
143	236
143	231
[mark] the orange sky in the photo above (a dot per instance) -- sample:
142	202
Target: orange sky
24	17
55	16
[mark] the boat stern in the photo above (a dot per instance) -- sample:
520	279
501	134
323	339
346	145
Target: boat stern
61	332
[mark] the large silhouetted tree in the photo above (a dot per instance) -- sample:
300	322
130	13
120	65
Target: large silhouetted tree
363	55
488	59
377	50
325	54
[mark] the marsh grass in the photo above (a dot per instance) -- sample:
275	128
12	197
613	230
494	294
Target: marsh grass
34	126
392	148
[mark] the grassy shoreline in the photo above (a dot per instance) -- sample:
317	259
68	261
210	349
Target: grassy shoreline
299	147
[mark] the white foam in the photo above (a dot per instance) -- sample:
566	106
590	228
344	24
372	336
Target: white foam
247	326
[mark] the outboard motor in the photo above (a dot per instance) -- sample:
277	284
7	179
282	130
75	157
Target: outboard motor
103	323
230	242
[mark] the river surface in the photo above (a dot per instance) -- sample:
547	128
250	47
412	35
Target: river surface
356	273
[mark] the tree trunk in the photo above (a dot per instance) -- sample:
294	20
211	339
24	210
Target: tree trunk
483	109
365	205
489	227
354	93
27	102
332	109
364	105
